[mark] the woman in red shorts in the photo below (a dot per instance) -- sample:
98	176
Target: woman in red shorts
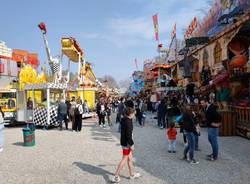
127	144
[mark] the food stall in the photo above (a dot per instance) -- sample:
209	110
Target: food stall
45	113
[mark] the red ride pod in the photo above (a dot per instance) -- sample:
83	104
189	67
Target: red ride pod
238	61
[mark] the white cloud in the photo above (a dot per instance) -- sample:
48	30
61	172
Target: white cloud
139	27
134	31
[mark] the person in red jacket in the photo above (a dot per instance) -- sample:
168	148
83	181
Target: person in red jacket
171	136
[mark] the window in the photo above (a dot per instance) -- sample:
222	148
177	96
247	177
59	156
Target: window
205	58
217	53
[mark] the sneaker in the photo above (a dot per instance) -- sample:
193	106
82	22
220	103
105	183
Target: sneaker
210	155
169	151
194	161
211	159
161	127
174	151
135	176
116	179
184	158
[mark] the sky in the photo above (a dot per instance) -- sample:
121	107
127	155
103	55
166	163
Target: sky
112	33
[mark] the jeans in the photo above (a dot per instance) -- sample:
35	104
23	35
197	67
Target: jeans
140	119
63	118
86	110
171	145
191	144
161	121
1	134
184	138
196	142
213	140
78	122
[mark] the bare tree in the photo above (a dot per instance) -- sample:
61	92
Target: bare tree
125	83
109	80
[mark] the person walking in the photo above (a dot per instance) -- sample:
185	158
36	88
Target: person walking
161	114
127	144
72	113
120	110
213	123
1	129
102	114
189	131
120	113
171	136
98	112
108	109
68	108
139	111
62	114
78	115
86	106
144	110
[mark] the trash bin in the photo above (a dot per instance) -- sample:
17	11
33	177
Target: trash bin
28	137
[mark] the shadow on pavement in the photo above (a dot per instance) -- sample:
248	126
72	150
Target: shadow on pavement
18	144
94	170
104	139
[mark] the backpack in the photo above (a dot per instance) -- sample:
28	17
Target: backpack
76	111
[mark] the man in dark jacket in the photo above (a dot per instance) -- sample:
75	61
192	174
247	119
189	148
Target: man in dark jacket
62	114
161	114
127	144
213	123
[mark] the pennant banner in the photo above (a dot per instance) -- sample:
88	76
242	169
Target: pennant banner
191	28
155	21
173	34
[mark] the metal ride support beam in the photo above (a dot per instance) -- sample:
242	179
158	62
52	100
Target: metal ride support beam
33	104
47	47
79	64
48	106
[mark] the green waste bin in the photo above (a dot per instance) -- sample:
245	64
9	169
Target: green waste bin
28	137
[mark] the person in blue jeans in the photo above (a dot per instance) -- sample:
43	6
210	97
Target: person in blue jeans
161	114
189	130
213	123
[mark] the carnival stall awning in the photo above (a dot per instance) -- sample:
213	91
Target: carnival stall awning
45	86
163	66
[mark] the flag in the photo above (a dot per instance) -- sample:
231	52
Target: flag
173	34
155	21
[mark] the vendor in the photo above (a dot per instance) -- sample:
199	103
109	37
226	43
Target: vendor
11	103
29	104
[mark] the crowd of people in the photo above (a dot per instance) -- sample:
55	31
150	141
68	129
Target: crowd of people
172	111
72	111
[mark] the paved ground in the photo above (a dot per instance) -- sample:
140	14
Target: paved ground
91	157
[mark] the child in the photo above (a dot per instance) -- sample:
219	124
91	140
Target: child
171	135
127	144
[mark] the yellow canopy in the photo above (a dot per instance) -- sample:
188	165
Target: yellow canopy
71	49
